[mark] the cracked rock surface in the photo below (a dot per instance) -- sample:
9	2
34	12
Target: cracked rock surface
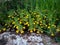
7	38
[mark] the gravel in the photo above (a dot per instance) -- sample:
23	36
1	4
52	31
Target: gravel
33	39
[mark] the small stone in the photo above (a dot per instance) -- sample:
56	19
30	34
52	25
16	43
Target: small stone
41	44
49	43
39	39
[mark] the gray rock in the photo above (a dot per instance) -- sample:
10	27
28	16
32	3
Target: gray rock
41	44
12	39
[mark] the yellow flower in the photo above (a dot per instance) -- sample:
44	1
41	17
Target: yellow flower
26	17
22	31
40	21
0	30
52	34
17	31
5	24
37	22
4	29
18	18
41	31
20	22
24	27
33	19
34	23
12	16
41	24
34	13
28	25
13	22
31	31
57	19
9	16
57	30
16	27
38	32
34	29
44	16
48	26
37	15
54	25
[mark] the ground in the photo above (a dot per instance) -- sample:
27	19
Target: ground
8	38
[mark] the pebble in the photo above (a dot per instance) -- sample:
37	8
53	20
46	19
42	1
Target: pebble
41	44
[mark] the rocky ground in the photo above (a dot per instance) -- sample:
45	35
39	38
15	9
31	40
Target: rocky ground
7	38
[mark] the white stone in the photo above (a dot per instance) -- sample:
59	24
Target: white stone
41	44
30	37
14	41
37	44
24	42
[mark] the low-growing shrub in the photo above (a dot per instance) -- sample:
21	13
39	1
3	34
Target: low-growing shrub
22	16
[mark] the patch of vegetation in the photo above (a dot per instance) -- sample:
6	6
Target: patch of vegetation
39	16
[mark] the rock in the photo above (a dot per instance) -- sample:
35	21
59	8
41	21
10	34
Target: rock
33	39
38	39
24	42
3	42
41	44
0	36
